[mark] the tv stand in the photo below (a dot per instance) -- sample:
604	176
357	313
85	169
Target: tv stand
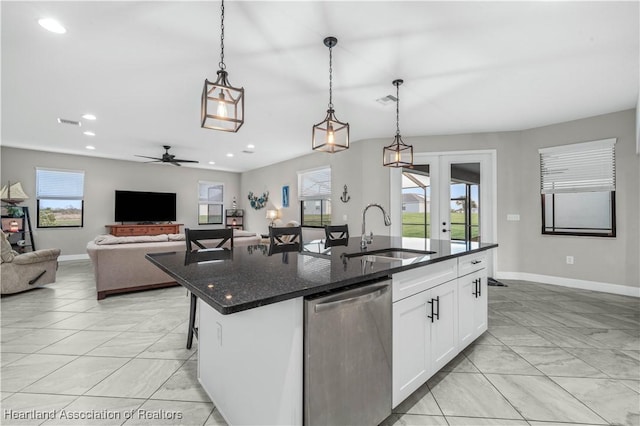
146	229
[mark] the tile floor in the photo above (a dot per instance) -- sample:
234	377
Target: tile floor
552	356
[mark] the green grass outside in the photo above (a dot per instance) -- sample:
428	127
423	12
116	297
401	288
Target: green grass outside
413	225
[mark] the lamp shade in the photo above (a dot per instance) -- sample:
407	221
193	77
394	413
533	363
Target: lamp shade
272	214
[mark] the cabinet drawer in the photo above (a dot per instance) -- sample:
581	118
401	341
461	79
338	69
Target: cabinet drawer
471	263
410	282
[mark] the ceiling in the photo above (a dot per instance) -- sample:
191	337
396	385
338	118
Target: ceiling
467	66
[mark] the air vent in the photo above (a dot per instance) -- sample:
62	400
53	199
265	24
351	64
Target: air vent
70	122
246	151
387	100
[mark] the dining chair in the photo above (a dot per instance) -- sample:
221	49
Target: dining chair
285	239
203	239
336	235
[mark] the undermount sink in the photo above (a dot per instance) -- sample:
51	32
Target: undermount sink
391	254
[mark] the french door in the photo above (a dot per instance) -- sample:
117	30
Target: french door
446	196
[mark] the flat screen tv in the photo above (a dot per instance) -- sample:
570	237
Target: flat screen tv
138	206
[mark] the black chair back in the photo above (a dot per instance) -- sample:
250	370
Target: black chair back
196	237
285	239
336	235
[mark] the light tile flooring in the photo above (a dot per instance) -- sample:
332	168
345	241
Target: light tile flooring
552	356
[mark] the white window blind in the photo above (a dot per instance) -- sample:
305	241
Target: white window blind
59	184
314	184
210	192
580	167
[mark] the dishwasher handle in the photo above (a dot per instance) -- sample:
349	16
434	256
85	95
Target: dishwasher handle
367	294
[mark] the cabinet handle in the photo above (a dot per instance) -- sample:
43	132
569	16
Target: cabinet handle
431	316
438	310
475	292
475	262
479	287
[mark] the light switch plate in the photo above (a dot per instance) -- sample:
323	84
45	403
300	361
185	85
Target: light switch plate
513	217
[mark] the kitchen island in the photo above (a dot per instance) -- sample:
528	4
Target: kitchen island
251	332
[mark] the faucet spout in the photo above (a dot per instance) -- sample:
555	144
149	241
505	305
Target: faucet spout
387	221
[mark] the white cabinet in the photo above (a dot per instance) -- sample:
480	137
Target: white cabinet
444	324
425	337
472	294
438	310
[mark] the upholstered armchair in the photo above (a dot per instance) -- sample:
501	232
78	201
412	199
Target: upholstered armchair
20	272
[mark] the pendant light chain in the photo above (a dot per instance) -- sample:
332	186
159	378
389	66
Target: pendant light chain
397	109
221	64
330	78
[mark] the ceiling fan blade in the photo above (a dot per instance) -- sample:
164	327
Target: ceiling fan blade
184	161
153	158
174	163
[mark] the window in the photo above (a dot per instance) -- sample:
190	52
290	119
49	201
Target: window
60	198
314	193
210	196
578	188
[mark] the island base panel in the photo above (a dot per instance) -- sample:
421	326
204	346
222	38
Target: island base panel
253	359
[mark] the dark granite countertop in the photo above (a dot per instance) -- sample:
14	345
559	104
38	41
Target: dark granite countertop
247	277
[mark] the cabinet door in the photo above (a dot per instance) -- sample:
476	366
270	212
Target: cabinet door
444	328
467	289
481	304
410	345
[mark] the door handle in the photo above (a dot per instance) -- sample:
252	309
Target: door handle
365	296
431	316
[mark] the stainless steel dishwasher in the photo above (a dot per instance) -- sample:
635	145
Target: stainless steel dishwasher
347	364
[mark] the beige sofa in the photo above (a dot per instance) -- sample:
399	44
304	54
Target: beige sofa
120	266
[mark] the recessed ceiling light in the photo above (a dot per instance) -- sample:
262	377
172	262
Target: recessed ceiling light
251	146
212	162
89	133
90	147
229	155
89	117
52	25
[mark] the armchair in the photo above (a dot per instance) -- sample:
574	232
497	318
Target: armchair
20	272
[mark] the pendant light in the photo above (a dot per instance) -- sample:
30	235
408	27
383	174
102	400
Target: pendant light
398	154
222	105
330	135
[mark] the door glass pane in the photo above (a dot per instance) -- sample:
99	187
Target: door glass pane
464	209
416	202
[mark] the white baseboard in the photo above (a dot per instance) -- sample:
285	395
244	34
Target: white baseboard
67	257
570	282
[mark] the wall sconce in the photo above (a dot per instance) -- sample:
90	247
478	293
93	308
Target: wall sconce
272	215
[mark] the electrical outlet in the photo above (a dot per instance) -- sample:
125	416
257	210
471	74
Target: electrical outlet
569	260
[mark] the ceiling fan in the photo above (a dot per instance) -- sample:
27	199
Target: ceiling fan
167	158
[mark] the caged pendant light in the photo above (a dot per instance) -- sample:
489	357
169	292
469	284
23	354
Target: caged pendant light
330	135
398	154
222	106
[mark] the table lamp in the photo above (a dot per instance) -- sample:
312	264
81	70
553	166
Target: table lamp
271	215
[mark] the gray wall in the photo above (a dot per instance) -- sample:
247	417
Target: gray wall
522	247
102	178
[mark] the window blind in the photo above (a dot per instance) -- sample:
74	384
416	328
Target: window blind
580	167
210	192
59	184
314	184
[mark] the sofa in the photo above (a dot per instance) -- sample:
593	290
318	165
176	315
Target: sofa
120	266
26	271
